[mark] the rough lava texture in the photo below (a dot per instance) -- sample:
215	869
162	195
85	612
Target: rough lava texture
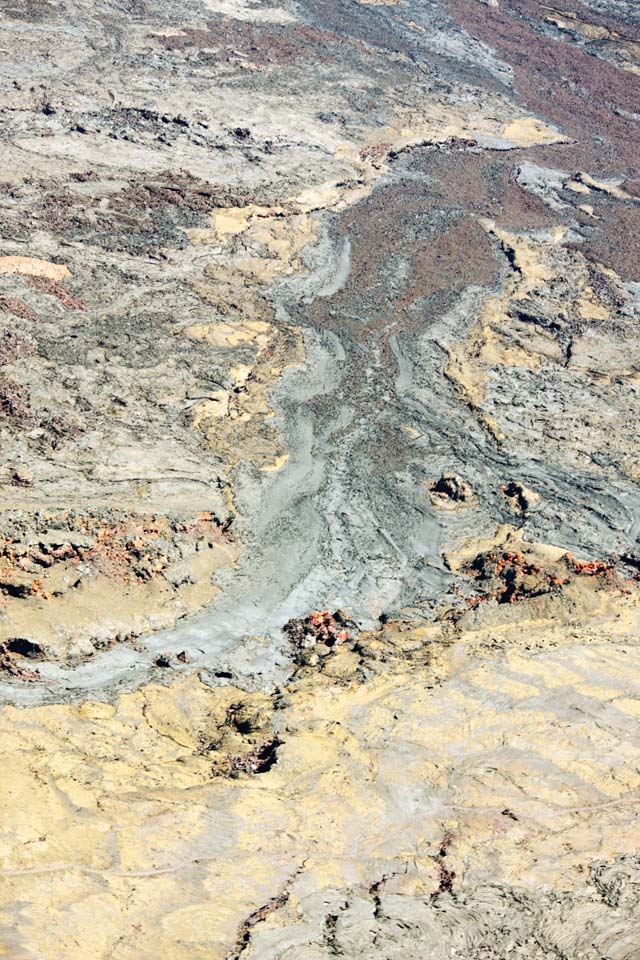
319	516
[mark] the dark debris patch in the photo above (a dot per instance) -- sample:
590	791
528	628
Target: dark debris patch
260	759
245	929
445	874
23	648
452	487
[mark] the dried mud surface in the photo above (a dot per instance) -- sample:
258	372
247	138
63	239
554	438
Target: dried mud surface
319	517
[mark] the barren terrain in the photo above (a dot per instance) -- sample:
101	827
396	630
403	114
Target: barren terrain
319	516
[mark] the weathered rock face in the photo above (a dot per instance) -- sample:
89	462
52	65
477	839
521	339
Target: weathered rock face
319	423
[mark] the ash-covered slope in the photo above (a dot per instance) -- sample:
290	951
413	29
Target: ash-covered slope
303	306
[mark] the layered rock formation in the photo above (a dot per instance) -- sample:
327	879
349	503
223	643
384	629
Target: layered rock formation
319	564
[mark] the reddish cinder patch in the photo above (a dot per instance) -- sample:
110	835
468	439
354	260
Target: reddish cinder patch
9	666
459	256
58	291
13	347
562	82
400	257
591	568
544	8
483	184
263	43
134	547
616	241
319	627
17	308
511	577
